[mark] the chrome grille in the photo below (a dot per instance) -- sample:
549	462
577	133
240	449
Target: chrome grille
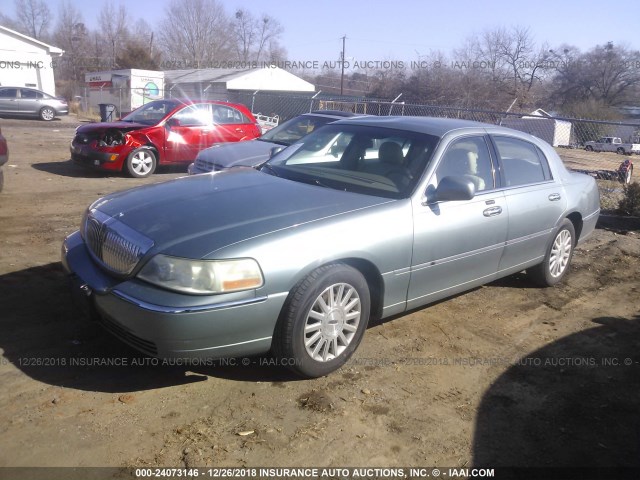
204	165
117	247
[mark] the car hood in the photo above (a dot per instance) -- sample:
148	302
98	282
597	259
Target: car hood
197	215
104	126
225	155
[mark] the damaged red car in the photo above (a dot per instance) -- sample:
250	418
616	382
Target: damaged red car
161	132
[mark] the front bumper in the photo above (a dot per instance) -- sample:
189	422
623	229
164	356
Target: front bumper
162	323
86	155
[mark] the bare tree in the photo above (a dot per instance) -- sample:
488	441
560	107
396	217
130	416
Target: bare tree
256	37
523	62
34	17
244	29
195	32
113	29
74	38
603	77
8	22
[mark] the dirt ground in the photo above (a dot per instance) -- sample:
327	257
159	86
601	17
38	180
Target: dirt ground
507	374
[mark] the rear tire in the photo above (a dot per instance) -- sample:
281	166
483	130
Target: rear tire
322	321
620	151
589	148
141	162
47	114
556	262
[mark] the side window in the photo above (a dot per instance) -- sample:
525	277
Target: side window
30	94
468	157
8	92
227	115
521	162
194	116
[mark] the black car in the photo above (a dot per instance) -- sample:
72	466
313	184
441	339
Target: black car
255	152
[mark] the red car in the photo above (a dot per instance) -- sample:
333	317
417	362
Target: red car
161	132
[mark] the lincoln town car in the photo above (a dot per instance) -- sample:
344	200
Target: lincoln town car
364	218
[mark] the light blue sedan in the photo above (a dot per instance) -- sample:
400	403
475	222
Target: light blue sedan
364	218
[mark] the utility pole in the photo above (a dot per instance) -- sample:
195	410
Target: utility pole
344	38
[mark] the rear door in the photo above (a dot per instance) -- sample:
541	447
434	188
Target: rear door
230	125
535	200
9	100
30	101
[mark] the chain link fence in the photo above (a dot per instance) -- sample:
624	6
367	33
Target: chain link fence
576	139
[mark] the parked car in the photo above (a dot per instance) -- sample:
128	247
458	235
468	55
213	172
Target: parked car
297	256
256	152
4	157
612	144
161	132
29	102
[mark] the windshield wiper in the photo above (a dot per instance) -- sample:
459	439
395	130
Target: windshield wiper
267	166
279	142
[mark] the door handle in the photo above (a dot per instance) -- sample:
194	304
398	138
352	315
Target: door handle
239	130
492	212
554	197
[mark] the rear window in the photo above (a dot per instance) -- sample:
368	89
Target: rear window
522	162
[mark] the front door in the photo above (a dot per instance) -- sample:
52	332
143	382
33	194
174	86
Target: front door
9	100
187	132
458	244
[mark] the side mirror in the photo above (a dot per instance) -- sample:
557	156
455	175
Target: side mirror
275	150
173	122
455	188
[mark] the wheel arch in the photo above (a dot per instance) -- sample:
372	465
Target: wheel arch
576	219
369	271
374	279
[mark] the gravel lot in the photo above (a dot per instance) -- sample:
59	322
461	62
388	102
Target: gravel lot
507	374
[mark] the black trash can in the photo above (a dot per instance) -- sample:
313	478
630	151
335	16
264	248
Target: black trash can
108	112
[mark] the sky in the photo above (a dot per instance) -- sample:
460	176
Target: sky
407	29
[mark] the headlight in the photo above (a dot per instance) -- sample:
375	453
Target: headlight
202	276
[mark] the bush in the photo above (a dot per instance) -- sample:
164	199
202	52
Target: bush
630	203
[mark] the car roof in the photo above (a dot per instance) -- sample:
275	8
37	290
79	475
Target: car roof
332	113
429	125
189	101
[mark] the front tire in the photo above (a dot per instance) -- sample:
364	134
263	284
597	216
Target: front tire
47	114
628	175
620	151
556	262
589	148
323	321
141	163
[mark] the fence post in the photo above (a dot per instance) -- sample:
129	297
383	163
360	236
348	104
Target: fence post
312	98
253	100
392	102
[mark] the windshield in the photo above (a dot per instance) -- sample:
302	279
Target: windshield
152	112
371	160
293	130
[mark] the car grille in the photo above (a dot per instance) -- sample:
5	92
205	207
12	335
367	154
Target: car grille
82	139
117	247
205	166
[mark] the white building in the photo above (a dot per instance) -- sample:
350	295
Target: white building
27	62
126	89
217	83
542	125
